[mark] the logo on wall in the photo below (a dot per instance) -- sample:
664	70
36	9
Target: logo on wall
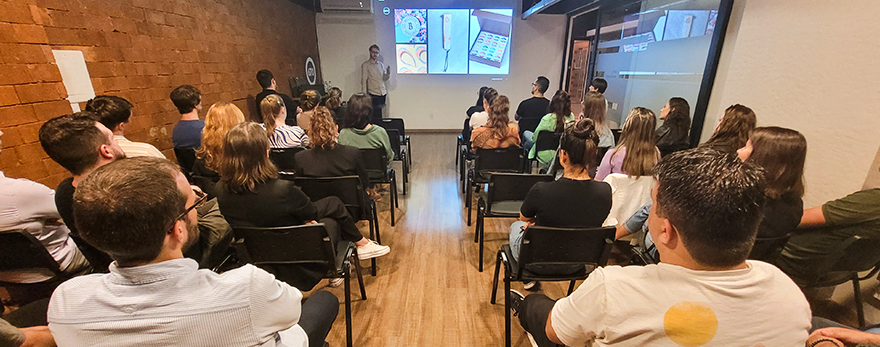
311	71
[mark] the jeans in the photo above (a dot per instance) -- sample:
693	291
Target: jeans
527	140
533	314
318	313
516	235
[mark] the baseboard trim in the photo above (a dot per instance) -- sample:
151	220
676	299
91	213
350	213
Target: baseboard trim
434	131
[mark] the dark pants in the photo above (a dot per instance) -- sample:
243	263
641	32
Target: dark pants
378	100
332	207
378	107
318	313
533	314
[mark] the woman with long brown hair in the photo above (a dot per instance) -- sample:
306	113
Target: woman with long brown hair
221	117
327	158
481	116
594	107
559	113
636	154
672	136
280	134
335	104
733	130
307	102
781	152
251	194
499	132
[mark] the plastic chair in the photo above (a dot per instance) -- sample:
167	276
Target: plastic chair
375	162
397	124
767	249
351	192
552	254
399	155
487	162
856	254
186	157
301	245
284	159
504	197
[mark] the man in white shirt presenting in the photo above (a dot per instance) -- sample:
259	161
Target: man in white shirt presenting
374	73
706	210
141	211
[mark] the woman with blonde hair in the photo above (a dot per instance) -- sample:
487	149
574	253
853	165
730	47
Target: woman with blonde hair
280	134
594	107
221	117
499	132
636	154
307	102
733	130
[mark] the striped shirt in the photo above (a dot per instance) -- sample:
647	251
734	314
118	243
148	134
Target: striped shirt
287	136
173	303
137	149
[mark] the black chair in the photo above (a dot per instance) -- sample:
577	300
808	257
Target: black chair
351	192
303	245
503	198
547	141
21	251
487	162
186	157
283	158
843	263
375	161
399	155
767	249
552	254
397	124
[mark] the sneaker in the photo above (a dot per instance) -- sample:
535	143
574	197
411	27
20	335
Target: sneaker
516	299
336	282
532	286
532	339
372	250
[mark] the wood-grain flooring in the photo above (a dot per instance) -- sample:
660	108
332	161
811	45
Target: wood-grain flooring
428	291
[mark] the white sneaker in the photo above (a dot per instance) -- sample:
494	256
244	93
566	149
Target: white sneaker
372	250
336	282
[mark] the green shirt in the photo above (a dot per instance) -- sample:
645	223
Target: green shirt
372	137
854	214
548	123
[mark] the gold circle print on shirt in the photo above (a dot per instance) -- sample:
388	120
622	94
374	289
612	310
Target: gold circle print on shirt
690	324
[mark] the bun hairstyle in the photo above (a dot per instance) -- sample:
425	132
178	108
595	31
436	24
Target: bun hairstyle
309	100
561	107
271	107
334	98
581	142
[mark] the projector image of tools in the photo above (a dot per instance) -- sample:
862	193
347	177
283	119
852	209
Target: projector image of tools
493	39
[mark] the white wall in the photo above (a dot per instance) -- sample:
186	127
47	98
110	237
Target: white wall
439	101
809	65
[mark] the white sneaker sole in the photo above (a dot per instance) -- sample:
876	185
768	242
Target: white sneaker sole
374	254
532	340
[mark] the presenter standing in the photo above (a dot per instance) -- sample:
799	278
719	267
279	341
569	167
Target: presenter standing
374	73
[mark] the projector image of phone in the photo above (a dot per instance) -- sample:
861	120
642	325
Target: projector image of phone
447	37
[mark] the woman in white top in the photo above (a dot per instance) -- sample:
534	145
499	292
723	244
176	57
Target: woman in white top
280	134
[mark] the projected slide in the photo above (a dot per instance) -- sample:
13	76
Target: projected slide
453	41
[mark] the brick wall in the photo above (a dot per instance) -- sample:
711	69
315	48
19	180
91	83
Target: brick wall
139	50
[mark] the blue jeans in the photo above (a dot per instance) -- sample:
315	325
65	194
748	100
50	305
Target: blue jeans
516	235
527	140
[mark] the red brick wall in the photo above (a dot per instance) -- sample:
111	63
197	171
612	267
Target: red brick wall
139	50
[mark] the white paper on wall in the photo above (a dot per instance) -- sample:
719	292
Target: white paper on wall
75	75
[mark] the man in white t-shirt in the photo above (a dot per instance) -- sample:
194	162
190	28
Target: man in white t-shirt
706	210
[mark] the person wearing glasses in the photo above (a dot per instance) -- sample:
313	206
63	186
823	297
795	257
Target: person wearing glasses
374	73
142	212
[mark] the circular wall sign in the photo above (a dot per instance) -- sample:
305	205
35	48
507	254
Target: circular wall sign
311	71
386	10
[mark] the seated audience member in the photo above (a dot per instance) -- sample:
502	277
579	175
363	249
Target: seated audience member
827	333
29	206
575	200
308	101
478	107
499	132
530	111
142	212
781	153
221	117
480	118
267	81
636	154
358	132
598	85
80	145
733	130
823	228
327	158
560	105
672	136
280	134
703	290
594	108
115	113
335	105
250	193
187	132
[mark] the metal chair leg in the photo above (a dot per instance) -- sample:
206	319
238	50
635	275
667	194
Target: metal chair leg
506	310
495	279
469	198
571	287
347	281
378	238
480	229
357	270
393	196
857	295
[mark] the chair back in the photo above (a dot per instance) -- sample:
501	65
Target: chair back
856	254
767	249
628	195
346	188
561	249
394	137
186	157
299	244
376	164
283	158
547	141
21	251
393	124
512	186
508	159
528	124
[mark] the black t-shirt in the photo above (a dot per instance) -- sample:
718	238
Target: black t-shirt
64	202
289	103
781	216
474	109
568	203
530	112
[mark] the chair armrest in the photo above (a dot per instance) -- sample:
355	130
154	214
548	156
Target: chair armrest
344	251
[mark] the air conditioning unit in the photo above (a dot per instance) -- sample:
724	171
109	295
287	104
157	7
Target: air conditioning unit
346	6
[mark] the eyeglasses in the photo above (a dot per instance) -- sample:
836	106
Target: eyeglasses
201	198
374	52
